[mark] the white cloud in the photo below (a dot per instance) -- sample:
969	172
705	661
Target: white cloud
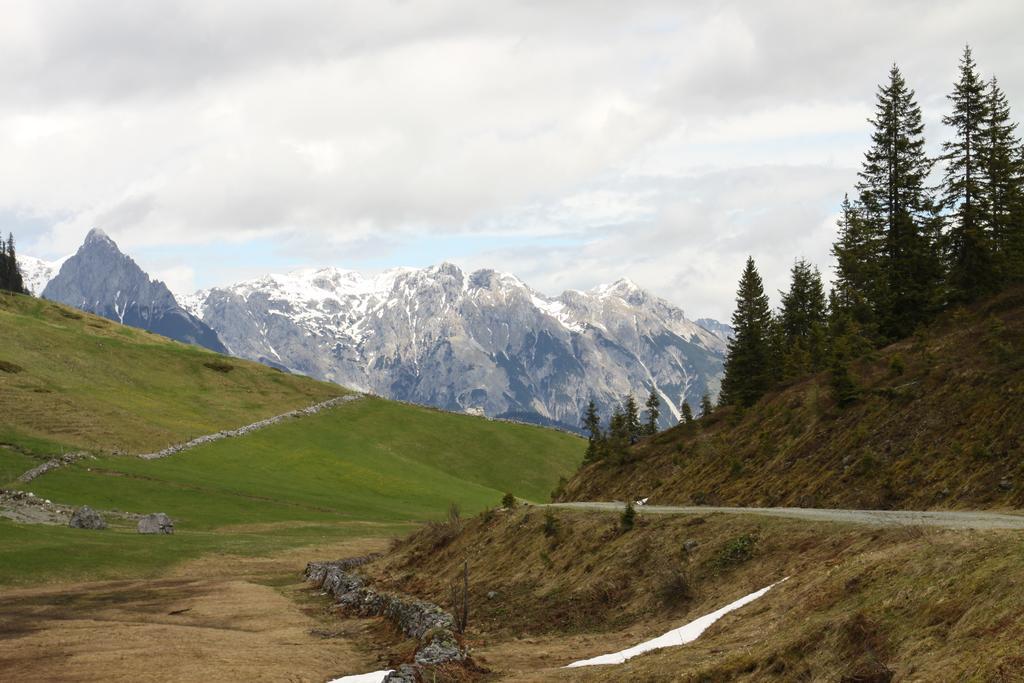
659	140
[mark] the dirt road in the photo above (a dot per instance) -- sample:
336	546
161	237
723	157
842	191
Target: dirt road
944	519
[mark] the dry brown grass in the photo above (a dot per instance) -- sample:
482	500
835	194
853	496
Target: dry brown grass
921	604
250	619
939	425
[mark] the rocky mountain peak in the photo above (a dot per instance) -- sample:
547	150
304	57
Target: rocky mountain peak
100	279
98	236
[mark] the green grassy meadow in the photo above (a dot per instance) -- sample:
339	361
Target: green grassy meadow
369	467
71	380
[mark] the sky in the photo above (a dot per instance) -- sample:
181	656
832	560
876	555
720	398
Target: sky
570	142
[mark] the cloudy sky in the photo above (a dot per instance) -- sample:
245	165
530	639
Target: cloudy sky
568	142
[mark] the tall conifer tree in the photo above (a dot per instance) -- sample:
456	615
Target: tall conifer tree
858	251
592	424
653	405
802	320
1002	176
685	413
749	362
898	209
969	243
10	274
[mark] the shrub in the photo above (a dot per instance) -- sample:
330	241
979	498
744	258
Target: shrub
675	588
896	365
219	366
442	533
628	519
550	524
508	501
736	551
10	368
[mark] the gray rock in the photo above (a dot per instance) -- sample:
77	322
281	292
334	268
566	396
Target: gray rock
403	674
424	621
1005	484
491	595
87	518
156	523
689	545
441	649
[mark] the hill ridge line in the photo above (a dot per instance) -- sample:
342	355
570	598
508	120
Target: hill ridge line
228	433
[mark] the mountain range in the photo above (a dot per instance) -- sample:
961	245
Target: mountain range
481	342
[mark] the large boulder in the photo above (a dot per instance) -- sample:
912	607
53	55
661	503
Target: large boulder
156	523
87	518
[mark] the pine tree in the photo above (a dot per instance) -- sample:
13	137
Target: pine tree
686	413
4	270
618	437
595	439
969	247
653	405
749	361
899	211
802	320
706	407
1012	243
858	282
1004	184
631	418
10	274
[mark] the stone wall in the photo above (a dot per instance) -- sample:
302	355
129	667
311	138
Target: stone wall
228	433
50	465
433	627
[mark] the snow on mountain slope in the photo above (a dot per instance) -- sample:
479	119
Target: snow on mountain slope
37	273
477	342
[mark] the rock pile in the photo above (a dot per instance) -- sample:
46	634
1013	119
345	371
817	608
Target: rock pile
228	433
87	518
426	622
28	508
156	523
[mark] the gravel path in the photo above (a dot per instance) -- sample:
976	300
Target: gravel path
948	520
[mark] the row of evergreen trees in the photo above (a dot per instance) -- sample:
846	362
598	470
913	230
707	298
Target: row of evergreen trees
905	250
625	426
10	274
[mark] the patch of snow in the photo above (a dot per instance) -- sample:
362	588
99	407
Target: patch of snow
37	273
372	677
680	636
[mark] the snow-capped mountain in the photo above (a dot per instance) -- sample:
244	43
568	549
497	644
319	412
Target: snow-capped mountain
482	342
721	329
37	273
100	279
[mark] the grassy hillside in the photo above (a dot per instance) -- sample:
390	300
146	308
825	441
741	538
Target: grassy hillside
862	603
367	467
73	380
939	423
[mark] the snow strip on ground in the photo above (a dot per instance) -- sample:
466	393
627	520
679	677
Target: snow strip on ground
680	636
372	677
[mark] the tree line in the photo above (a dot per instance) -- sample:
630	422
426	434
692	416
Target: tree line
625	426
10	275
905	250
